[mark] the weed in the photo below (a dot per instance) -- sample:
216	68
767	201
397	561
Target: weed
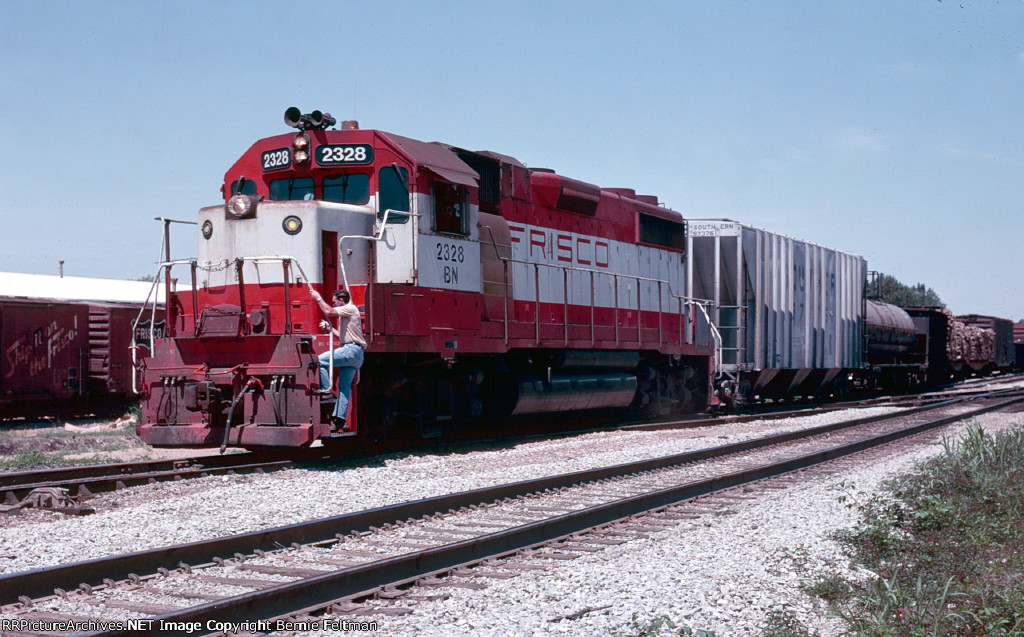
784	623
657	627
945	543
24	459
831	588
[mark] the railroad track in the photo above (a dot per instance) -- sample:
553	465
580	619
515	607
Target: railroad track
338	563
67	489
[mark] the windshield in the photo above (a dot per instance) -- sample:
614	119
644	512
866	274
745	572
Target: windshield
351	188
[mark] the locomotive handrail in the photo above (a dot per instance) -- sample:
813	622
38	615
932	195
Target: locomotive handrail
374	238
683	300
715	336
379	236
285	260
133	347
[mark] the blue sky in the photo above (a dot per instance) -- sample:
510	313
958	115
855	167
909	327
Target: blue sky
889	129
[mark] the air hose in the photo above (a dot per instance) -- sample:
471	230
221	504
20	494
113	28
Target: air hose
253	382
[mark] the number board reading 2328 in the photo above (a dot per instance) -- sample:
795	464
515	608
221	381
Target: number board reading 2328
277	159
344	154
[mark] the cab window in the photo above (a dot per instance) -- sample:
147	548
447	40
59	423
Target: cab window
449	208
291	189
353	188
243	186
394	193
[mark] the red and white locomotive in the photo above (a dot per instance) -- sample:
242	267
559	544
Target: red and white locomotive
489	290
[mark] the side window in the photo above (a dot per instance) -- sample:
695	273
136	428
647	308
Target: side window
449	208
394	193
348	188
291	189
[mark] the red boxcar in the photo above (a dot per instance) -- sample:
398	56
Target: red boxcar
46	352
62	358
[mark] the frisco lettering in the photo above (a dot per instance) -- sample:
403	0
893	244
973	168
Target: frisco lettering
562	246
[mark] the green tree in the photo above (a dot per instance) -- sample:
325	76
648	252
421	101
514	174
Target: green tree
889	290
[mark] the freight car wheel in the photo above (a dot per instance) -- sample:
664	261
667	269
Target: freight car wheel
841	388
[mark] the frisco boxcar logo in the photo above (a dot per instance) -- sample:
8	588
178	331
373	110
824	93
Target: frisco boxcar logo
142	332
33	353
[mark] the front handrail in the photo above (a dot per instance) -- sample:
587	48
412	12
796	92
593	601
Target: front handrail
163	274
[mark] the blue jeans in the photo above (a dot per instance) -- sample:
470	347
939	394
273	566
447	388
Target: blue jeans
347	359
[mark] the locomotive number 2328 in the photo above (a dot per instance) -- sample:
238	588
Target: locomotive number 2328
450	252
329	155
277	159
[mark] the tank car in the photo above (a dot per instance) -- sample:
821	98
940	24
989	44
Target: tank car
890	337
488	290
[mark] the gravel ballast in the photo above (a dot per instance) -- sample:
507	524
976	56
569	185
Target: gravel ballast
721	573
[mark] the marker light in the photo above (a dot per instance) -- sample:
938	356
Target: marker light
207	229
292	225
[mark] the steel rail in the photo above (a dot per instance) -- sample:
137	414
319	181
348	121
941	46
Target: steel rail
41	582
14	479
278	601
90	485
113	476
811	409
105	476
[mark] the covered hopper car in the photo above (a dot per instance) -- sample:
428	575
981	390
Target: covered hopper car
790	313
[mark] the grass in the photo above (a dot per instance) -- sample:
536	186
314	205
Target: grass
56	447
657	627
33	458
946	546
24	459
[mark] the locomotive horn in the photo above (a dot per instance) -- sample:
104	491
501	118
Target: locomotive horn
321	121
293	117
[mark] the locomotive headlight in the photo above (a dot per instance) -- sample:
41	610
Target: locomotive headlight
241	206
207	229
292	225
